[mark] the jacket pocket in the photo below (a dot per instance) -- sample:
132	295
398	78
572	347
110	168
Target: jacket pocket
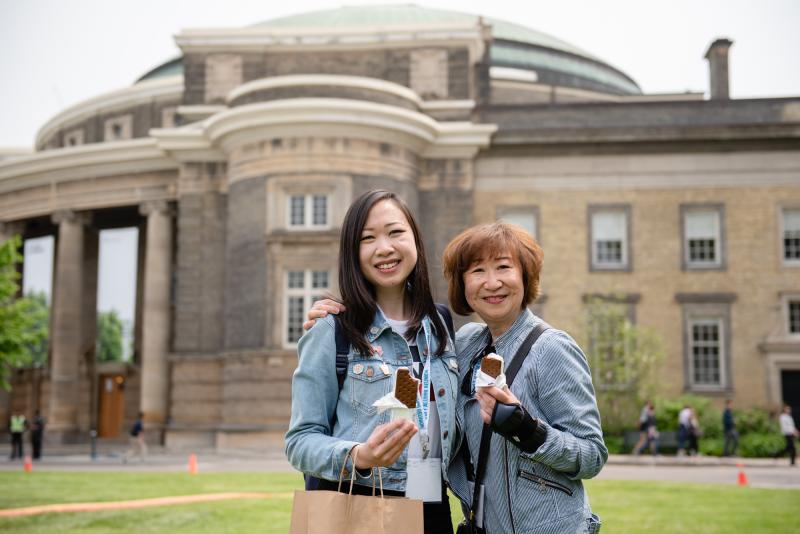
544	483
368	383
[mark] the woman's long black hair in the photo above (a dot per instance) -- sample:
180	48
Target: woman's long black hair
358	293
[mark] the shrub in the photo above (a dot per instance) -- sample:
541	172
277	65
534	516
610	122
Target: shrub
760	445
755	420
711	446
614	444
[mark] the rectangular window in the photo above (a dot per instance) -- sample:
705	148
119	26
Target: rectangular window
707	341
524	216
705	346
794	316
297	213
308	211
118	128
791	236
303	287
609	237
73	138
702	240
320	217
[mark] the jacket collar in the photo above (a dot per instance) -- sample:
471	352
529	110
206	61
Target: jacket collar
380	324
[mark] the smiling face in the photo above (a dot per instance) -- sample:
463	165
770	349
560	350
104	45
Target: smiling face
494	289
387	249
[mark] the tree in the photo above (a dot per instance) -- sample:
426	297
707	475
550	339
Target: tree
624	358
20	327
40	316
109	337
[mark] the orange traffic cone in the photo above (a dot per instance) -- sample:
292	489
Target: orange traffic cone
192	464
28	464
742	478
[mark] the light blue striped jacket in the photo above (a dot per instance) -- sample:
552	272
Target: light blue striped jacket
540	492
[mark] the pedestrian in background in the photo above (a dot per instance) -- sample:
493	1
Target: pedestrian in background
694	433
37	434
648	435
731	435
637	449
789	432
138	446
17	426
684	427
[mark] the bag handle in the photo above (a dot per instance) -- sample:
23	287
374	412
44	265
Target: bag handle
352	454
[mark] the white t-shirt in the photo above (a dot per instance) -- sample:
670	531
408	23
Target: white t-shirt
787	424
685	417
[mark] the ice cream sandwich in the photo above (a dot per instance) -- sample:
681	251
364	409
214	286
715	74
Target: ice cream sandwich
492	365
406	387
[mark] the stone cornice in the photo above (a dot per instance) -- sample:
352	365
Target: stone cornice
187	144
260	39
171	87
85	161
563	136
301	117
342	118
198	112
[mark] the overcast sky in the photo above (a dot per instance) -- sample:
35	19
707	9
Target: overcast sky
56	53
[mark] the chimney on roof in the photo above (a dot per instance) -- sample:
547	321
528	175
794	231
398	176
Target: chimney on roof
717	56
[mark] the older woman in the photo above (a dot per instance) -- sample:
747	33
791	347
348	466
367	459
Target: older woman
546	434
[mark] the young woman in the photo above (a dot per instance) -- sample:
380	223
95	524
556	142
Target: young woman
390	322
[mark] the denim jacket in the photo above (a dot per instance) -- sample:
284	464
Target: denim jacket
539	492
326	423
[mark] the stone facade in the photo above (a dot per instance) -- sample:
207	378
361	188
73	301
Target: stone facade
243	186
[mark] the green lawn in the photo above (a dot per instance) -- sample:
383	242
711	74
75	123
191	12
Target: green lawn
624	506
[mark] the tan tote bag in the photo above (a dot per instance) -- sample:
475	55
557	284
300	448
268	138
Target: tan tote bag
333	512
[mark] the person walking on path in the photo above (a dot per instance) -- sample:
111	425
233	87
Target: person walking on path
642	429
37	433
789	432
731	435
694	433
138	446
17	426
648	433
684	426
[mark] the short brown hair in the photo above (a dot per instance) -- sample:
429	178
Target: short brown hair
491	240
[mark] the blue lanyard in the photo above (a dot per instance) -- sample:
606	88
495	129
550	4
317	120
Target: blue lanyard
424	397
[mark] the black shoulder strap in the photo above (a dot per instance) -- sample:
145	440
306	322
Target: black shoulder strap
486	434
523	351
342	350
448	320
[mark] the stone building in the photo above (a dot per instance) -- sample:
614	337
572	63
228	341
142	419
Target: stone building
238	159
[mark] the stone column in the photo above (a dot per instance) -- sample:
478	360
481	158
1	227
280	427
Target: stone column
156	316
66	332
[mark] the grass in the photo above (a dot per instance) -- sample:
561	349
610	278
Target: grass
624	506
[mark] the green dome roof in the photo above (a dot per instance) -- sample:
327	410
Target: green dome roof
557	62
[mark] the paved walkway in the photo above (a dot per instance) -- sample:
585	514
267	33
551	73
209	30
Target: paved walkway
761	472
